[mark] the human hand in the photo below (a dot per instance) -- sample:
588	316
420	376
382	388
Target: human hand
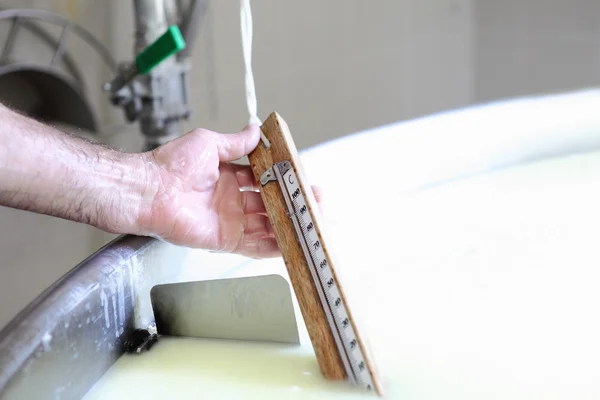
185	192
201	200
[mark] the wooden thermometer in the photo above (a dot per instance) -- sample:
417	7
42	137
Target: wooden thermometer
291	207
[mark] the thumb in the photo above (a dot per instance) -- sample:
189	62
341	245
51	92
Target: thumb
237	145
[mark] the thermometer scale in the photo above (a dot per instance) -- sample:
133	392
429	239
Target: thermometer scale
339	349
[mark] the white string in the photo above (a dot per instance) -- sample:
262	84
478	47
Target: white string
246	27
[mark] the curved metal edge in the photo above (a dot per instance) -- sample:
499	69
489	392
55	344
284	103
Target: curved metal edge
49	40
84	316
68	337
91	123
57	19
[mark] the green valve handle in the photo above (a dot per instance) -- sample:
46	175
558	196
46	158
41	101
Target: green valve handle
169	43
165	46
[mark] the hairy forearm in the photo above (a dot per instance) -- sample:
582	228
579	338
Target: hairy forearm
48	171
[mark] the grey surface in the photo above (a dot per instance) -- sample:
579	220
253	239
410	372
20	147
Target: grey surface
256	308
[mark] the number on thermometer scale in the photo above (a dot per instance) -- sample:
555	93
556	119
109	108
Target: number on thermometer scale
325	275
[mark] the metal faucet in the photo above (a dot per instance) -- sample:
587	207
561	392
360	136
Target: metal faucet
153	89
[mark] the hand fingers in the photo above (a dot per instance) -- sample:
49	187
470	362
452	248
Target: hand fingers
257	224
245	177
258	240
233	146
257	247
252	203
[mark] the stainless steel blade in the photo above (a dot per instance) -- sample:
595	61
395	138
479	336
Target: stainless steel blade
257	308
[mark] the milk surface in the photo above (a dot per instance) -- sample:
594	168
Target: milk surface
185	368
486	288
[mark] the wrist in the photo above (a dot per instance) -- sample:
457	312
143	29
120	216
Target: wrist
126	209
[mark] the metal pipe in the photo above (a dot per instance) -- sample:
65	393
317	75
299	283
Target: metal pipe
165	88
189	26
172	12
150	22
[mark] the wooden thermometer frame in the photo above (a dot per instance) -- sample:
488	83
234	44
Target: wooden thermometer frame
282	148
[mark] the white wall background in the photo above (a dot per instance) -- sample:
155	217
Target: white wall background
330	68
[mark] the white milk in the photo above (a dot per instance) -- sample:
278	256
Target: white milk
185	368
486	288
